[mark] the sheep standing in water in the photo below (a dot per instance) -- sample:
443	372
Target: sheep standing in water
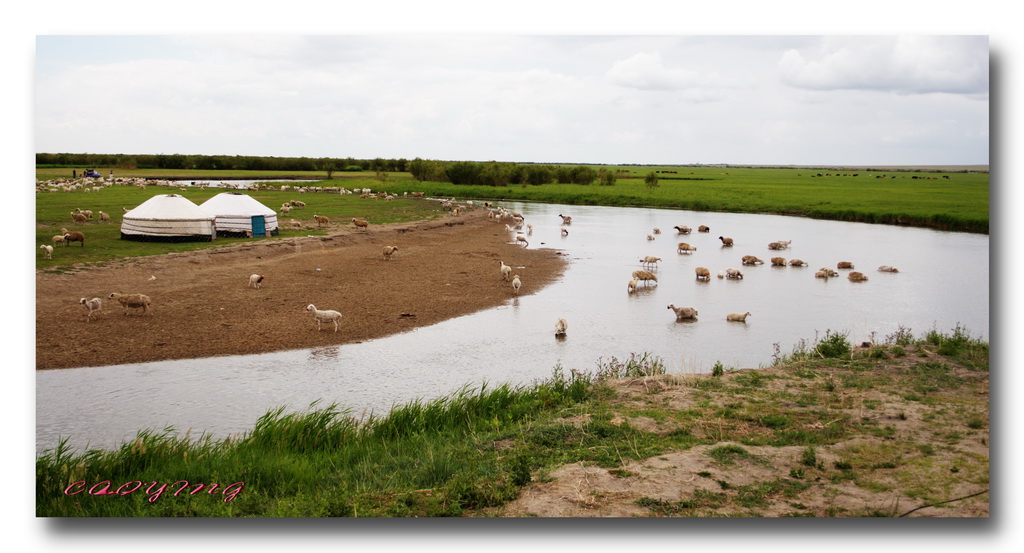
683	313
738	317
560	328
726	242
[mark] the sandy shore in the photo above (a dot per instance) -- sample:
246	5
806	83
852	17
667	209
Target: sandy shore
203	306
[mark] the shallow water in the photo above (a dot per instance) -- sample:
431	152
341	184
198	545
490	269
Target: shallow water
515	342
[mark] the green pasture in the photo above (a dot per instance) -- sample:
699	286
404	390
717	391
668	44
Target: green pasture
103	240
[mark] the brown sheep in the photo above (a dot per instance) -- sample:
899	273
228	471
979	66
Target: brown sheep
857	276
703	273
361	223
778	262
683	313
389	251
644	276
683	247
78	218
74	237
726	242
751	260
844	265
703	228
738	317
682	230
321	221
797	263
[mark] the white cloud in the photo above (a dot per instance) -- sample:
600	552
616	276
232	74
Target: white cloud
646	71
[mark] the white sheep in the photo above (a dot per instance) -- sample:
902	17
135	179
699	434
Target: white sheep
131	301
255	281
683	247
683	313
779	245
738	317
645	276
389	251
682	230
324	316
92	305
506	271
825	273
560	328
516	284
566	220
565	232
58	239
631	287
650	260
888	269
48	249
733	273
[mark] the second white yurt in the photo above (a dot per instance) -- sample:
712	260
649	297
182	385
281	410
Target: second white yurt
168	218
238	214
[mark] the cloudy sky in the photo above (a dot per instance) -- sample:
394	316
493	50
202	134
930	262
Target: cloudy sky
878	99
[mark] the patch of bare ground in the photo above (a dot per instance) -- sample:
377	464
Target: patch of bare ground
900	434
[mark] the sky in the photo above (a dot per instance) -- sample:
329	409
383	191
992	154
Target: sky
587	98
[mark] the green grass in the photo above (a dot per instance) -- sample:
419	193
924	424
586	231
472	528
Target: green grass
103	240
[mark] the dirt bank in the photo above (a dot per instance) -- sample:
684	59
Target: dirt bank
203	306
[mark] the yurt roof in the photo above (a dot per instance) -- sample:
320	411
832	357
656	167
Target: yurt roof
235	203
171	207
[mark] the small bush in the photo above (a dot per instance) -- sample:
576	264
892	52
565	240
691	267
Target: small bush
834	346
718	369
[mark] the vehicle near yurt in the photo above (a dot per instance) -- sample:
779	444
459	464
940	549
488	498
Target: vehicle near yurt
240	215
168	218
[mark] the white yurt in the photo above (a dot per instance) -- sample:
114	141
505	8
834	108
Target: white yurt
168	218
238	214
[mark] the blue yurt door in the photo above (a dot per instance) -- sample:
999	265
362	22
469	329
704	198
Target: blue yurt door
259	226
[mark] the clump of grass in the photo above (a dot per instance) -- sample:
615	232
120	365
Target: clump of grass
835	345
636	366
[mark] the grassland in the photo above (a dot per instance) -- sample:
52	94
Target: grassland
898	428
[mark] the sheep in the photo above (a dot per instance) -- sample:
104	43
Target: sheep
523	240
657	230
683	247
296	224
650	237
683	313
360	223
565	232
631	287
645	276
131	301
324	316
516	284
738	317
104	217
48	249
778	262
682	230
78	218
560	328
797	263
74	237
321	221
702	273
857	276
844	265
92	305
780	245
750	260
888	269
296	203
566	220
87	213
506	271
721	274
255	281
286	208
58	239
726	242
825	273
650	260
703	228
733	273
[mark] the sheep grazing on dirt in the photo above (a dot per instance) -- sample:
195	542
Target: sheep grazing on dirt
780	245
517	283
726	242
132	301
703	228
738	317
321	221
750	260
48	249
683	313
324	316
566	220
682	230
888	269
645	276
631	287
683	247
506	271
389	251
857	276
78	218
733	273
702	273
255	281
360	223
560	328
650	261
104	217
74	237
797	263
778	262
844	265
